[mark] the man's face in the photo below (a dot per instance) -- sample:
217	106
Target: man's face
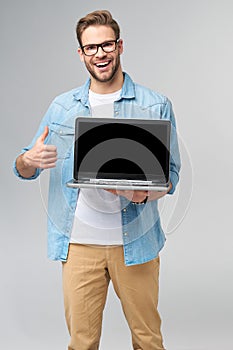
102	66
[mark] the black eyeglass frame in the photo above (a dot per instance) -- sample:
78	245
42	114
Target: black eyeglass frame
100	45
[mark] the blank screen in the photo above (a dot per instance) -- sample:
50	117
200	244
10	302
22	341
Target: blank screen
122	149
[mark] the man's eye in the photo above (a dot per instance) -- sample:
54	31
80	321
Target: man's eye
90	47
108	44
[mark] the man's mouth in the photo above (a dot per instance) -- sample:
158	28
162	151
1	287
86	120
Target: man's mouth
102	65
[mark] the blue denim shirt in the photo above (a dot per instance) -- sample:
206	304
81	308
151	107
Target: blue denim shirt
143	236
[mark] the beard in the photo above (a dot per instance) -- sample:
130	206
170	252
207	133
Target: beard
105	76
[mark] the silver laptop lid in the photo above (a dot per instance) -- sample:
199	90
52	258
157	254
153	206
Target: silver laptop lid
128	149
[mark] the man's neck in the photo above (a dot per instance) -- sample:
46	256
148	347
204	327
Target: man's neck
108	87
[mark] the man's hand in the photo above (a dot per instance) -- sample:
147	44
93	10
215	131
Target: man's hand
40	156
133	196
140	196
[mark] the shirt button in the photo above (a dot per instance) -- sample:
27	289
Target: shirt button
116	113
125	233
124	210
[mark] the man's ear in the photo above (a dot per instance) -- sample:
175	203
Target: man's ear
120	46
80	52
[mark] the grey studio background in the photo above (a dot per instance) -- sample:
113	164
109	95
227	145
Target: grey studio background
182	49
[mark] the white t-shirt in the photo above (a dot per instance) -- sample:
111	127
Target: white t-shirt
98	213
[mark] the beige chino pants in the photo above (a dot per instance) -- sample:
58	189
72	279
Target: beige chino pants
86	276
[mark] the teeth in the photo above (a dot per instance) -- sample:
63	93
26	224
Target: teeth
102	64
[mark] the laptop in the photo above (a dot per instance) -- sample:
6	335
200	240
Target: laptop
122	154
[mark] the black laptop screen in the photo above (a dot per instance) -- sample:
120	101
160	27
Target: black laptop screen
131	149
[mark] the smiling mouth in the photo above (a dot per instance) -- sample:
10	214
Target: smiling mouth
102	64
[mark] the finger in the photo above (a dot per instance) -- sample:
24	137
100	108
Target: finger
50	148
48	160
141	192
126	193
47	166
111	191
48	152
44	135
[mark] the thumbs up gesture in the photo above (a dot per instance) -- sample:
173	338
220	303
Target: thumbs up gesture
41	156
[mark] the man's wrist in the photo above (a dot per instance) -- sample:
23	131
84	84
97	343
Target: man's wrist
24	162
23	167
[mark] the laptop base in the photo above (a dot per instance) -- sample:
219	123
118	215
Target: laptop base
118	186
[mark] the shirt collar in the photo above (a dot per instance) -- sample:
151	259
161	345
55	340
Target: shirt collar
128	90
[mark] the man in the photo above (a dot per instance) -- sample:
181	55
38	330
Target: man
102	235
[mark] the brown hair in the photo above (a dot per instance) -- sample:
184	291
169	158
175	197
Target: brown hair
102	17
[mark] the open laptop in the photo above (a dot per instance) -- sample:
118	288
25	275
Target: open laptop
123	154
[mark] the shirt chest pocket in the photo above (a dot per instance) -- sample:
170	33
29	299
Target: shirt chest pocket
62	136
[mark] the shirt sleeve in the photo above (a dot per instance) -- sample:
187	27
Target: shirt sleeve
175	163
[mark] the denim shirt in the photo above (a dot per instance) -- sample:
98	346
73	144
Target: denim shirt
143	236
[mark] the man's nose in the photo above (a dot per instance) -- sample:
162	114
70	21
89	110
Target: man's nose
100	52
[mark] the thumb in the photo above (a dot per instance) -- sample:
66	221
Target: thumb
44	135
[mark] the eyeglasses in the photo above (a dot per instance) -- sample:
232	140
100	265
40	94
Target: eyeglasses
92	49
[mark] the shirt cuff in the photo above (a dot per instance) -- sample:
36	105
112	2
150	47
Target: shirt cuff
174	178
